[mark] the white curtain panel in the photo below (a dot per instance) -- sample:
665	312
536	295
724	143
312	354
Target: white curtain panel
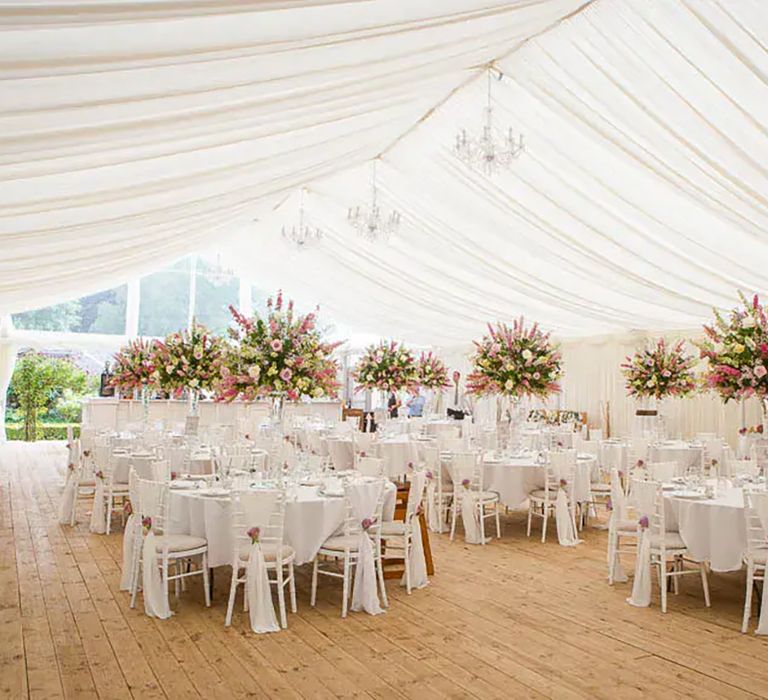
133	136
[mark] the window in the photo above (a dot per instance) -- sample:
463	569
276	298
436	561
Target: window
215	291
103	312
164	302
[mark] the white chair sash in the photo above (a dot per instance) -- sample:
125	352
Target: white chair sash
365	594
129	542
566	534
433	514
155	600
760	504
641	586
98	514
618	514
68	496
470	517
261	610
416	560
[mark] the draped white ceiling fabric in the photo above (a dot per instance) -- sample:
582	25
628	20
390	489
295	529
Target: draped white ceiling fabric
640	202
134	132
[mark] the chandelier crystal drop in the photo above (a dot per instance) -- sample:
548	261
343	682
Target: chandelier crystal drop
301	235
219	274
487	153
370	221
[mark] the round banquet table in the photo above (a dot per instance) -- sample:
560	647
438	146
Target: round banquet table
712	529
681	452
514	478
309	520
397	452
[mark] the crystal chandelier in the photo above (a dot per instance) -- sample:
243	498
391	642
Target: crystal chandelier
487	153
302	234
370	221
219	274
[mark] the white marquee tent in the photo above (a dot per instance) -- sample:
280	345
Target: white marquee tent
640	202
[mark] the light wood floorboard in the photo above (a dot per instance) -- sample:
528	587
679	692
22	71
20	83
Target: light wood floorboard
514	619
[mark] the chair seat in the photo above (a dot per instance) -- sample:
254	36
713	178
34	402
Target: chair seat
341	542
394	528
540	495
600	488
627	527
484	496
179	543
268	550
672	540
760	557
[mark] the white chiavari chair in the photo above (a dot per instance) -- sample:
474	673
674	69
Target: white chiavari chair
756	552
441	494
172	550
668	551
620	526
344	549
265	510
468	467
560	474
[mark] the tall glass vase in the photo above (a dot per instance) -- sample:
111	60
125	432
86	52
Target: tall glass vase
277	408
145	404
193	401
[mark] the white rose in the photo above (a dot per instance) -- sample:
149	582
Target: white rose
527	354
748	322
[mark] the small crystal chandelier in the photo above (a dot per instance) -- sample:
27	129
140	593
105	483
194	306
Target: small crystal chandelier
302	235
219	274
486	153
370	221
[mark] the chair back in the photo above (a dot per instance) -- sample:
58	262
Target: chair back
415	494
370	466
647	497
561	471
756	518
466	466
618	499
153	503
662	471
260	508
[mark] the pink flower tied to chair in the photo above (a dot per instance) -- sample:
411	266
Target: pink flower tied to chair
367	523
643	522
146	524
254	533
465	483
174	476
127	509
563	483
99	474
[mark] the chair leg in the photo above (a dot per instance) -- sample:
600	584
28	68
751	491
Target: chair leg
453	518
544	526
165	583
498	522
407	562
530	517
481	511
612	547
281	594
292	587
313	591
345	586
439	507
705	582
108	514
748	599
232	593
135	571
663	584
380	573
678	566
206	586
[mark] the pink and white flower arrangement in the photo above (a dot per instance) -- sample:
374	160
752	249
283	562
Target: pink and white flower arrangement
736	351
134	366
388	366
189	360
660	371
515	361
283	355
432	372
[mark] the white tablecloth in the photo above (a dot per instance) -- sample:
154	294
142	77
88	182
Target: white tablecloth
685	455
712	530
309	521
514	479
341	452
397	452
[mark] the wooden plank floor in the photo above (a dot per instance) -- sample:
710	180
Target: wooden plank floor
515	619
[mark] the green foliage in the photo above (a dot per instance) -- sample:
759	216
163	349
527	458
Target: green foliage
43	431
39	382
60	317
103	312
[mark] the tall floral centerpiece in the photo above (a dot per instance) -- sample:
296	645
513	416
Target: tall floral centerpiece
134	370
387	366
658	372
432	374
736	351
189	360
281	357
515	362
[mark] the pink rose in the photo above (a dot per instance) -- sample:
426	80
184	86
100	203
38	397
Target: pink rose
760	371
276	345
285	374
